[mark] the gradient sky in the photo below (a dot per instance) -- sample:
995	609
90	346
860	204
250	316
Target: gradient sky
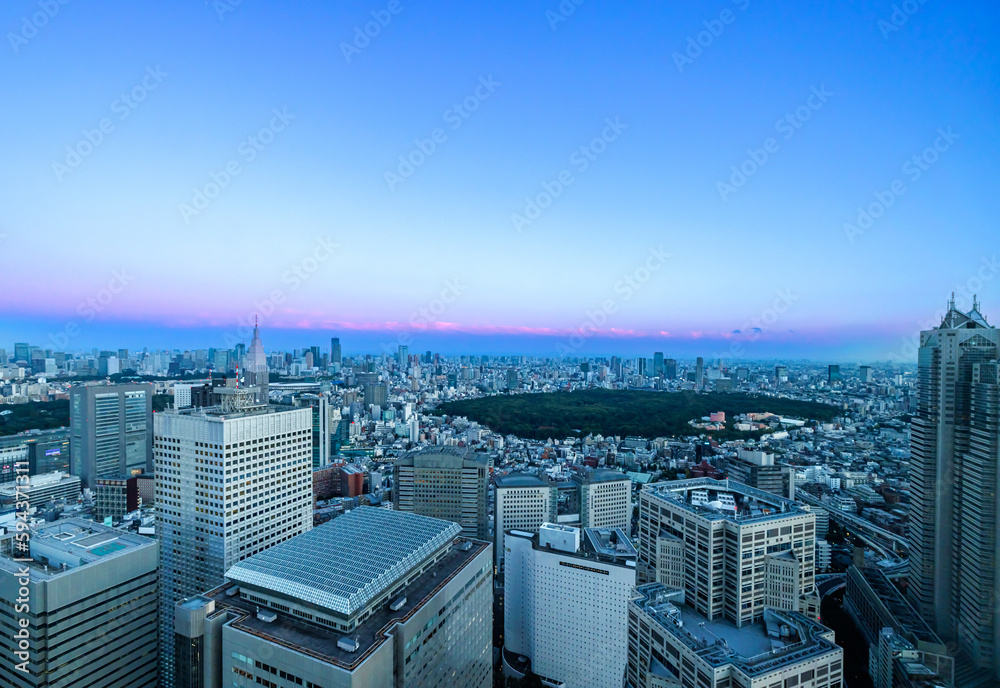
190	281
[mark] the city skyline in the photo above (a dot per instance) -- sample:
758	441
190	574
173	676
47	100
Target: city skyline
649	231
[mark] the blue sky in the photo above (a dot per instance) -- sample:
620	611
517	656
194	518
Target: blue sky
499	109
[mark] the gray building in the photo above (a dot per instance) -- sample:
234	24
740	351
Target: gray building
111	431
335	353
523	501
376	394
91	607
954	470
413	610
444	482
758	469
43	450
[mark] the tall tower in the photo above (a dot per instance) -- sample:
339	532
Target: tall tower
335	355
229	484
953	476
255	367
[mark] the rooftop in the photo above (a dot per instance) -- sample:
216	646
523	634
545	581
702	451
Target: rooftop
755	505
344	564
73	543
599	475
320	642
521	480
754	649
442	457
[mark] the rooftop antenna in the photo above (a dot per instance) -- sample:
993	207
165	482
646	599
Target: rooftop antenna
951	302
975	302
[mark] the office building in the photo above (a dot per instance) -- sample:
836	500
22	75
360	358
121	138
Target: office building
757	469
412	612
523	501
254	369
22	352
781	373
115	497
91	610
110	431
743	549
41	489
229	484
449	483
512	381
893	662
658	364
699	373
833	375
321	417
605	498
672	644
376	395
670	368
953	480
335	353
866	374
43	451
403	356
566	595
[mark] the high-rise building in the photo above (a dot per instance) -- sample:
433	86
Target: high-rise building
757	469
658	364
670	368
833	374
111	431
403	356
743	549
335	354
377	395
780	373
565	604
22	352
672	644
229	484
523	501
605	499
866	374
255	372
115	497
953	481
449	483
512	378
699	373
84	598
373	598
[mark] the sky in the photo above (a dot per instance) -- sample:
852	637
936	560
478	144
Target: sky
717	178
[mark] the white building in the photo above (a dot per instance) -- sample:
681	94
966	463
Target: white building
228	485
523	502
605	499
565	604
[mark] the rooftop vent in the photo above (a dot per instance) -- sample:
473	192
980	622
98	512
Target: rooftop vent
398	603
267	615
348	644
465	546
233	591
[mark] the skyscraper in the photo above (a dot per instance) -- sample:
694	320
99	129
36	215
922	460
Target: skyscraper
833	374
335	355
90	609
565	603
444	482
403	356
670	368
229	484
658	364
255	374
699	373
524	502
953	475
111	431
